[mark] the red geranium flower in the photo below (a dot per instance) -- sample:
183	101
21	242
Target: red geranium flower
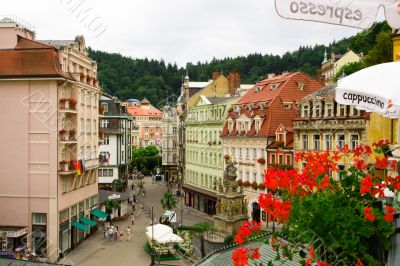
368	215
366	184
321	263
389	213
240	257
359	263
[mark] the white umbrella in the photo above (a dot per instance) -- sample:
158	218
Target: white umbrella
163	234
374	89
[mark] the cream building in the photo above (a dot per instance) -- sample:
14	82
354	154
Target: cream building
204	152
51	112
170	142
330	67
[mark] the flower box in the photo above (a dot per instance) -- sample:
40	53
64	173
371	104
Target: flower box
72	134
64	166
254	185
226	157
246	184
261	186
240	183
261	160
72	103
101	109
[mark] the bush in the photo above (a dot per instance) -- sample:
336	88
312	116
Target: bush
228	240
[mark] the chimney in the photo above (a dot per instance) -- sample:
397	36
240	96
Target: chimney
215	75
234	82
271	75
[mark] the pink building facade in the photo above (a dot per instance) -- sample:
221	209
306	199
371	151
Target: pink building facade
49	108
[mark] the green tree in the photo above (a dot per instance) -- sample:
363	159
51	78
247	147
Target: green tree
349	69
168	201
118	184
110	205
382	52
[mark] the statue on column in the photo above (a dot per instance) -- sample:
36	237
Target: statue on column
230	176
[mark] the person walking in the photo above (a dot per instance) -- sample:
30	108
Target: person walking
121	235
133	206
110	233
128	233
132	219
116	233
144	194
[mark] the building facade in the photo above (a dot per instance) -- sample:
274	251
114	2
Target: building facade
52	91
330	67
147	123
325	125
252	127
170	143
204	152
116	150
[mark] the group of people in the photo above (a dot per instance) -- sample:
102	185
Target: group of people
113	233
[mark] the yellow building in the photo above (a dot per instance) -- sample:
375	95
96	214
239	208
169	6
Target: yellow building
330	67
396	58
324	125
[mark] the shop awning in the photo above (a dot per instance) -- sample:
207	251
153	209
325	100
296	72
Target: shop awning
80	226
87	221
100	214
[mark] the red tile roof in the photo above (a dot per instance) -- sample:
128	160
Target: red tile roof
286	90
137	111
30	59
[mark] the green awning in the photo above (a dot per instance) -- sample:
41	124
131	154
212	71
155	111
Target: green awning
87	221
99	213
80	226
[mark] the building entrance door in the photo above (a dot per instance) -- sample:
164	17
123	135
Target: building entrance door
256	212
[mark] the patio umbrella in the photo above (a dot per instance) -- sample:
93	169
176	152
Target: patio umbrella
373	89
162	234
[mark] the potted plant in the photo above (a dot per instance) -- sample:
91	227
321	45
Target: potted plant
101	109
72	103
254	185
72	134
209	143
215	142
226	157
63	134
83	75
261	186
64	165
63	103
261	160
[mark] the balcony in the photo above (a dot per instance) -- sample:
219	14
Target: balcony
68	105
67	136
113	130
66	168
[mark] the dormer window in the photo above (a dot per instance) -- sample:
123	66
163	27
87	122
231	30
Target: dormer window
287	106
259	88
306	112
230	126
274	86
301	86
262	105
250	106
317	109
237	108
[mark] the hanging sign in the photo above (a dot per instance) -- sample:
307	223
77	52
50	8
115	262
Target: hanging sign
352	13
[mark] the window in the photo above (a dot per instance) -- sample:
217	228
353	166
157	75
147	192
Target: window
280	159
341	141
317	110
329	110
100	171
288	106
288	159
273	159
354	140
105	105
39	234
254	153
317	142
104	123
82	97
82	125
328	142
304	142
342	110
88	126
305	111
340	174
106	140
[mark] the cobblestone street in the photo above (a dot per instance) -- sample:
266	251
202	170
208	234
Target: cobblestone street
96	250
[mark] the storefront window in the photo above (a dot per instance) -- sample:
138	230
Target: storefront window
39	234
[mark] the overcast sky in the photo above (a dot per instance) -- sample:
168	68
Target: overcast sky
176	30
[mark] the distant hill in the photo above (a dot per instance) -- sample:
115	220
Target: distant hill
127	78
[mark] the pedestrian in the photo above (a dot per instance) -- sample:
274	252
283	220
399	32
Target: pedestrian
134	198
128	233
144	194
121	235
133	206
132	219
116	233
132	186
110	233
